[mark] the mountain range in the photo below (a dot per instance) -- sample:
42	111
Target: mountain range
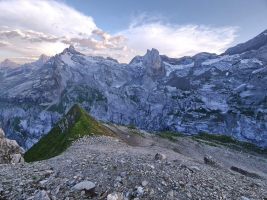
206	93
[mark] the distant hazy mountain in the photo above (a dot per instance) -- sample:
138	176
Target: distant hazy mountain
219	94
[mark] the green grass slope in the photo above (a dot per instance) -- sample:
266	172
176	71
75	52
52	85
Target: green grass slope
74	125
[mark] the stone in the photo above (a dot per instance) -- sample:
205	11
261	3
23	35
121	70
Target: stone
194	168
115	196
210	161
10	151
140	191
41	195
170	195
144	183
17	158
118	179
85	185
160	156
244	198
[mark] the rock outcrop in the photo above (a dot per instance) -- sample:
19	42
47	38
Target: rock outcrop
10	151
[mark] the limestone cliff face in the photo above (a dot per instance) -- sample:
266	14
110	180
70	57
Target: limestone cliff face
10	151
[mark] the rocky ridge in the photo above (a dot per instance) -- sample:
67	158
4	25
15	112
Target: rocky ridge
218	94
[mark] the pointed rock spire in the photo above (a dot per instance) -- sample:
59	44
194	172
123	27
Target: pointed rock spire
152	59
71	49
153	62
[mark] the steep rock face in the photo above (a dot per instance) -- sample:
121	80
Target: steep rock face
223	94
10	151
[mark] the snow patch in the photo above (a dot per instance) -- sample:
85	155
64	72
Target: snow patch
215	60
258	70
170	68
66	58
246	94
240	87
253	60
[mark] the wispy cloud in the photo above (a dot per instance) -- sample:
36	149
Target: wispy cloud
175	40
29	28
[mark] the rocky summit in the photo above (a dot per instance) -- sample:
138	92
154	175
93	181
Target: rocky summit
206	93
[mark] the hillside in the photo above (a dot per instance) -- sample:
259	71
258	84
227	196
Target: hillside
75	124
139	165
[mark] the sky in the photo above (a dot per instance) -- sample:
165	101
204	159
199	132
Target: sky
124	28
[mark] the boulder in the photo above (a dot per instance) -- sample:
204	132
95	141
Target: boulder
10	151
87	186
115	196
41	195
160	156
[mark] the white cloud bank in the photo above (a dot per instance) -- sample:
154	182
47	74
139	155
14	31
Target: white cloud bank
29	28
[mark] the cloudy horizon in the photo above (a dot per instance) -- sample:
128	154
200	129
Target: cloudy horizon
31	28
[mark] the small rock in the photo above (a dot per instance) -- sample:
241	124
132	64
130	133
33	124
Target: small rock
123	174
48	172
140	191
115	196
170	195
118	179
244	198
160	156
144	183
41	195
210	161
194	168
43	182
85	185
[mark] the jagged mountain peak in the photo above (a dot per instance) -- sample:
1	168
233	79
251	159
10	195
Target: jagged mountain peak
153	51
42	60
71	49
8	63
43	57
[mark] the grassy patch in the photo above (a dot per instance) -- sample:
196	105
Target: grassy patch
229	142
75	124
131	126
172	136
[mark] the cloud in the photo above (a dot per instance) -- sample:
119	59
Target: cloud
175	40
34	27
3	44
45	16
29	28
